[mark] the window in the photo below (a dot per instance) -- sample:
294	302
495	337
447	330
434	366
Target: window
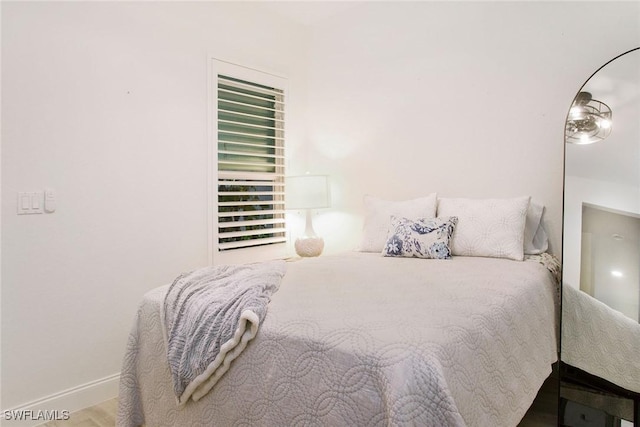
250	158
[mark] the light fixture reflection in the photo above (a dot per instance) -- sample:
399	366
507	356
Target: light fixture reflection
589	120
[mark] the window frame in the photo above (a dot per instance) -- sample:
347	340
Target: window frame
252	253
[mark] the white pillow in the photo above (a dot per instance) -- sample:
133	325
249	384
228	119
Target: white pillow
378	214
487	227
535	237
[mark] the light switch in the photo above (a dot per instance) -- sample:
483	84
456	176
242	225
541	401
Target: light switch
30	202
49	200
35	202
24	202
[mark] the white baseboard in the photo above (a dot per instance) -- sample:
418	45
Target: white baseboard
70	400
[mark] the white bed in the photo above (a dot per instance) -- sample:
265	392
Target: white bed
361	339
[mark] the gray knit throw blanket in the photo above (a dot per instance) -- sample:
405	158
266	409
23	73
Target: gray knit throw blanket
209	316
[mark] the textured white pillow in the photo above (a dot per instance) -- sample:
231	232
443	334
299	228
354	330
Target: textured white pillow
378	214
535	237
487	227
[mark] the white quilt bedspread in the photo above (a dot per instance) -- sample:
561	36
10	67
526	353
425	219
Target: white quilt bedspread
363	340
600	340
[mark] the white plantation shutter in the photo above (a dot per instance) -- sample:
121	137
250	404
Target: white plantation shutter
250	163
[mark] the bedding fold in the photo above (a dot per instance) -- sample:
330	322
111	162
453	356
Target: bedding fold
209	316
600	340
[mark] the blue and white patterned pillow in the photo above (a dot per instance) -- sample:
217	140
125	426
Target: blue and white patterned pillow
423	238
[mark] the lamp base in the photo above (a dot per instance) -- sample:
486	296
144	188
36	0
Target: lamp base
309	246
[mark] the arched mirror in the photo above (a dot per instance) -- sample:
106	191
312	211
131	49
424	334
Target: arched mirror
600	340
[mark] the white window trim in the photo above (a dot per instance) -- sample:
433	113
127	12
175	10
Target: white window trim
250	254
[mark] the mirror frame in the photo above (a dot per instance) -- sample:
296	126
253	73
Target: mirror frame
562	368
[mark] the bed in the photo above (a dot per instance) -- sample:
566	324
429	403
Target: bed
587	321
465	337
600	348
361	339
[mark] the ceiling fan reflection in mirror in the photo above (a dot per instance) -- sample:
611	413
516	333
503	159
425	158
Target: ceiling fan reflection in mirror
589	120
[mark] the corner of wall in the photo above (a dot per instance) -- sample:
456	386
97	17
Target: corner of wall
64	402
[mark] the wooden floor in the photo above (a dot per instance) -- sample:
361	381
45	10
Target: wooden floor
102	415
543	412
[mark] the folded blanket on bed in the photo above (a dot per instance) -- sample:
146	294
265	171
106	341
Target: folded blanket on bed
209	316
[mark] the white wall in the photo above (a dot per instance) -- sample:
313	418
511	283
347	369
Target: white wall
467	99
107	104
578	190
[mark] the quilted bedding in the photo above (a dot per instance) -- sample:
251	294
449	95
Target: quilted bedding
600	340
364	340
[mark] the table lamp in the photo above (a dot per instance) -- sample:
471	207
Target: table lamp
308	192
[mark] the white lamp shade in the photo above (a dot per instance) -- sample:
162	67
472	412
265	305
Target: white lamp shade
307	192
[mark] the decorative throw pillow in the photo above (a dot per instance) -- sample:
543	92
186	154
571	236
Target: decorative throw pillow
487	227
378	212
423	238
